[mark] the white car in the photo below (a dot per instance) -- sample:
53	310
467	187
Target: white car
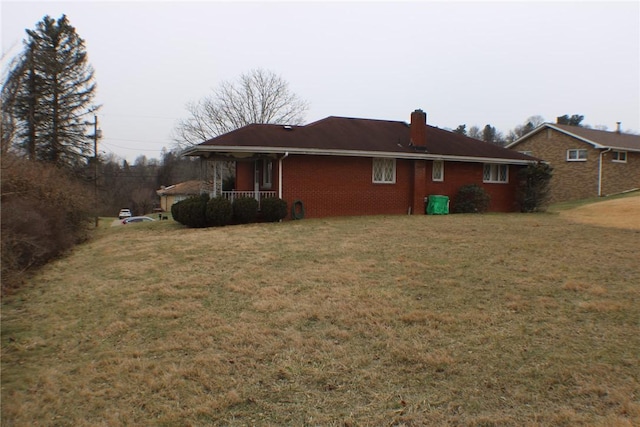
124	213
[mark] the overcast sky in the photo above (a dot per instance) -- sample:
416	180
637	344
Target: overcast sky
472	63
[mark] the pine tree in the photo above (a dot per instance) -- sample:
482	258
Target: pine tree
53	87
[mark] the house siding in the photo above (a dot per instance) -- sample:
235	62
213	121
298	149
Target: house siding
571	180
458	174
618	177
342	186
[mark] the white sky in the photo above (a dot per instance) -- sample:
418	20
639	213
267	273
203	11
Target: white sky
472	63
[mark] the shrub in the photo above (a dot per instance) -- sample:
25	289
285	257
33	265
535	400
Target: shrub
533	187
471	198
245	210
273	209
45	212
191	212
219	211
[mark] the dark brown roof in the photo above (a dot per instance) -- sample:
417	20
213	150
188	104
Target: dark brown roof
359	135
606	139
598	138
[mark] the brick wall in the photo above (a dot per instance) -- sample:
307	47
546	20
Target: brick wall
457	174
571	180
619	177
342	186
337	186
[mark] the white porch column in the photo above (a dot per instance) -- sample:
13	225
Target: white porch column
280	174
215	178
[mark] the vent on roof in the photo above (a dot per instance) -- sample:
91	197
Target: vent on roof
287	127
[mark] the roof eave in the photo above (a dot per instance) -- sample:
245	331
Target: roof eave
206	151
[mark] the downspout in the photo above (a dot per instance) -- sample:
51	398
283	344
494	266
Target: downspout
286	154
600	171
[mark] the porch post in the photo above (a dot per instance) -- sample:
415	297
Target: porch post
256	181
215	178
280	174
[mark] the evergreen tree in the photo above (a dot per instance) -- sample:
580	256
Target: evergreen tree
52	87
462	130
574	120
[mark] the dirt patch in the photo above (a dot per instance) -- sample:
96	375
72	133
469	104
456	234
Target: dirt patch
619	213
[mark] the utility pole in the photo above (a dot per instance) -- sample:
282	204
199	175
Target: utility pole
95	166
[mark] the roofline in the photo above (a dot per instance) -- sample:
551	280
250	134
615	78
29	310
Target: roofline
201	150
566	132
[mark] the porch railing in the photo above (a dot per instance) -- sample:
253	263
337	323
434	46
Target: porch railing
258	195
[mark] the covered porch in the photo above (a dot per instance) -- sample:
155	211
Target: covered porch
258	175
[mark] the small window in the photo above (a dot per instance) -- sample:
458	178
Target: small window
384	171
437	171
267	173
619	156
527	153
577	155
495	173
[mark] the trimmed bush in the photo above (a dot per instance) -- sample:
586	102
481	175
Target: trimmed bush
273	209
245	210
219	211
191	212
533	187
471	198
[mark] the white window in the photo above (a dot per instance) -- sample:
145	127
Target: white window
619	156
495	173
437	171
267	173
576	155
384	171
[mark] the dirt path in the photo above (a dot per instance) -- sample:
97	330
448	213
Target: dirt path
619	213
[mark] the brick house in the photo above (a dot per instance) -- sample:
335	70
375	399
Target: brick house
341	166
586	162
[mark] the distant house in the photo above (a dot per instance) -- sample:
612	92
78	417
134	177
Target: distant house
174	193
586	162
347	166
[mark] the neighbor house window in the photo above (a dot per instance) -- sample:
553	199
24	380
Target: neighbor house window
437	171
267	173
576	155
619	156
495	173
384	171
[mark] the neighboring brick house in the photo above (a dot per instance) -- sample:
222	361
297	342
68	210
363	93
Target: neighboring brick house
174	193
586	162
346	166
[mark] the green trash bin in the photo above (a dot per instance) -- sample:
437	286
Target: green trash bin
438	205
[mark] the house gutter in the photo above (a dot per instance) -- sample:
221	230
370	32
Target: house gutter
602	153
202	151
286	154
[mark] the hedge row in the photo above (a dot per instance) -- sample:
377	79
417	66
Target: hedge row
202	211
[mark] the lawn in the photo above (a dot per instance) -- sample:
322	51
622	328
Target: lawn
469	320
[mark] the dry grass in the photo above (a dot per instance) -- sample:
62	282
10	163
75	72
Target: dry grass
471	320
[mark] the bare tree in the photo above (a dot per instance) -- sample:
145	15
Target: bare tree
530	124
258	96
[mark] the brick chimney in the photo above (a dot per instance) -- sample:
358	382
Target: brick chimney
418	128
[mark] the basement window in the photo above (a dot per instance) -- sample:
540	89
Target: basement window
495	173
577	155
384	171
437	171
619	156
